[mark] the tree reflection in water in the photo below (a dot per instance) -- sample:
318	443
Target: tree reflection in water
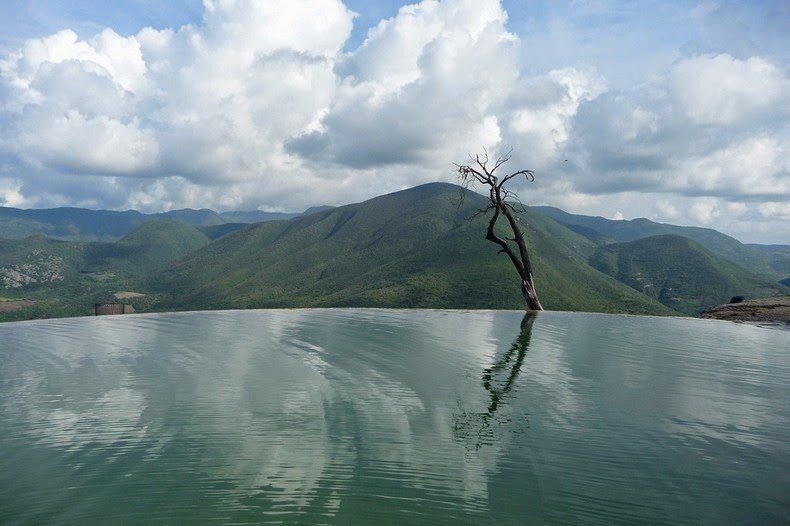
477	428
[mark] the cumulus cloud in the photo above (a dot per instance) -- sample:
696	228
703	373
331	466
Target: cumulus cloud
723	90
262	105
410	94
713	128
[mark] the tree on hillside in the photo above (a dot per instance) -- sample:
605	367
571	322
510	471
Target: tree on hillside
501	203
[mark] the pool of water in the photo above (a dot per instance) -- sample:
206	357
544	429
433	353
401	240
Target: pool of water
382	417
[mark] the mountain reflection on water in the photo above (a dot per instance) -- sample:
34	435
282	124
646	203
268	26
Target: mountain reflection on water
391	416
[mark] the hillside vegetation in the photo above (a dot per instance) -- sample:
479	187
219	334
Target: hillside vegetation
65	278
147	249
679	272
79	224
773	260
414	248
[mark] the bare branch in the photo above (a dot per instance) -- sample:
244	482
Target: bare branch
501	202
528	174
502	160
481	212
466	173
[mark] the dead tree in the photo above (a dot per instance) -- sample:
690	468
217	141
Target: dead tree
501	203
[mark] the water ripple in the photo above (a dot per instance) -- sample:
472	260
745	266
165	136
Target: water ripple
385	416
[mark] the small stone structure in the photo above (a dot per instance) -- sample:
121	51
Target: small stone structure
101	309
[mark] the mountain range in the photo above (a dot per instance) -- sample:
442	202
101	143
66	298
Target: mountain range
413	248
80	224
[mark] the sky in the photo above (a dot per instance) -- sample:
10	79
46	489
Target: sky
675	111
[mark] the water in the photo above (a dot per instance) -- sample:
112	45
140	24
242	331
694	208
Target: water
377	417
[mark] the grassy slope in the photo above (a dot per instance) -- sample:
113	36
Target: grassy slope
215	231
60	289
602	230
86	273
778	257
680	272
155	244
255	216
68	223
414	248
79	224
202	217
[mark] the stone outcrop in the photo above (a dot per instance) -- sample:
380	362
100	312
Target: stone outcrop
760	310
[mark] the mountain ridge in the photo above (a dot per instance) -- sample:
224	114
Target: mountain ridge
117	223
412	248
83	224
679	272
603	230
276	264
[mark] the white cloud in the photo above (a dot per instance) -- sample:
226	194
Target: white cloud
10	194
543	111
758	166
714	138
119	58
259	104
724	90
775	210
75	144
666	211
704	211
207	105
411	93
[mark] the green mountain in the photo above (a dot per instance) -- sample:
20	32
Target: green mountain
43	270
415	248
316	209
255	216
65	278
148	248
215	231
68	223
202	217
778	257
38	260
259	216
680	272
601	230
79	224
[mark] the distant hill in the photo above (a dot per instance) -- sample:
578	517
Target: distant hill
148	248
46	271
601	230
680	272
414	248
80	224
255	216
215	231
778	257
65	278
202	217
316	209
68	223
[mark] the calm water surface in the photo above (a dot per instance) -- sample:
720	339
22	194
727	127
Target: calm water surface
376	417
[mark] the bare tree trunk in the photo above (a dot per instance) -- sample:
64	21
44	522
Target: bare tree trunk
498	197
530	295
